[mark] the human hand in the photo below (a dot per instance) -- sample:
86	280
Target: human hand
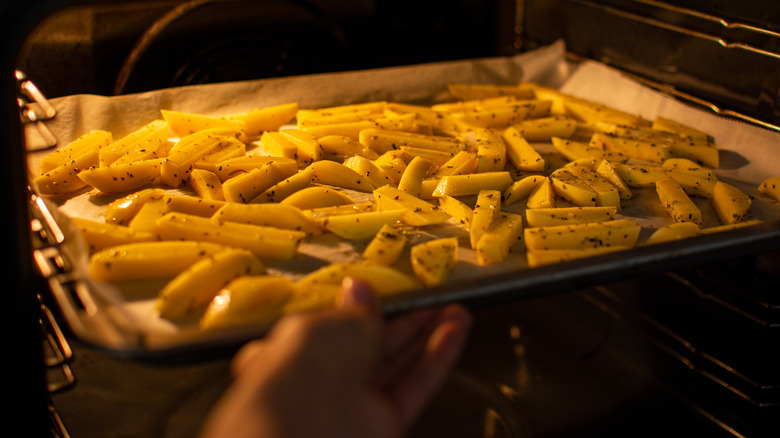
340	373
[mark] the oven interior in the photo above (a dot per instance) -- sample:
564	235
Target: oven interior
690	352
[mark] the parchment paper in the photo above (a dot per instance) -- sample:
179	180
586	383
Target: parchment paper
749	157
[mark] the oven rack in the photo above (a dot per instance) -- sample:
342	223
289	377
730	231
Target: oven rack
718	342
727	66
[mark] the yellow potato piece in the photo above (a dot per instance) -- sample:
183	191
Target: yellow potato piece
544	217
317	197
183	124
771	187
417	170
495	243
646	150
462	163
432	261
229	168
364	166
730	203
472	184
381	141
247	186
146	260
265	242
92	140
491	150
122	210
619	232
309	148
281	216
672	232
568	186
143	144
101	235
458	210
123	177
271	118
486	210
360	226
336	174
416	212
248	301
542	195
342	147
521	154
196	286
287	187
544	128
274	144
206	185
386	247
674	199
521	189
575	150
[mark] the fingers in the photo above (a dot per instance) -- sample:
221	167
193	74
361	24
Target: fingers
412	389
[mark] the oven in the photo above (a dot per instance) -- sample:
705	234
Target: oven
685	347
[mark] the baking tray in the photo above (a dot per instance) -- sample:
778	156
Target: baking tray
108	319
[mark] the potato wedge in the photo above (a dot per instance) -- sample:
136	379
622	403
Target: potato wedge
309	148
417	170
265	242
496	242
194	288
472	184
183	124
122	210
248	301
674	199
646	150
619	232
433	260
542	195
271	118
364	166
282	216
573	189
287	187
147	260
247	186
486	210
771	187
274	144
730	203
101	235
236	166
386	247
206	185
417	212
543	129
92	140
491	150
381	141
361	226
123	177
576	150
520	153
545	217
338	175
462	163
521	189
458	210
317	197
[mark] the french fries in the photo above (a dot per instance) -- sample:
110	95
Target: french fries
517	169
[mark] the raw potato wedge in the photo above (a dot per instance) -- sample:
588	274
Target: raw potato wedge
309	148
343	146
191	205
486	210
350	129
183	124
521	189
143	144
607	171
542	195
645	150
573	189
576	150
432	261
495	243
771	187
64	178
338	175
468	91
122	210
552	256
194	288
361	226
417	212
282	216
543	129
521	154
674	199
417	170
437	157
265	242
381	141
274	144
323	212
236	166
619	232
498	116
491	150
247	186
248	301
317	197
92	140
287	187
638	176
472	184
684	131
123	177
606	193
386	247
176	167
206	185
146	260
364	166
730	203
458	210
271	118
672	232
462	163
545	217
101	235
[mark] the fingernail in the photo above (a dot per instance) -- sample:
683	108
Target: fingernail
355	293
